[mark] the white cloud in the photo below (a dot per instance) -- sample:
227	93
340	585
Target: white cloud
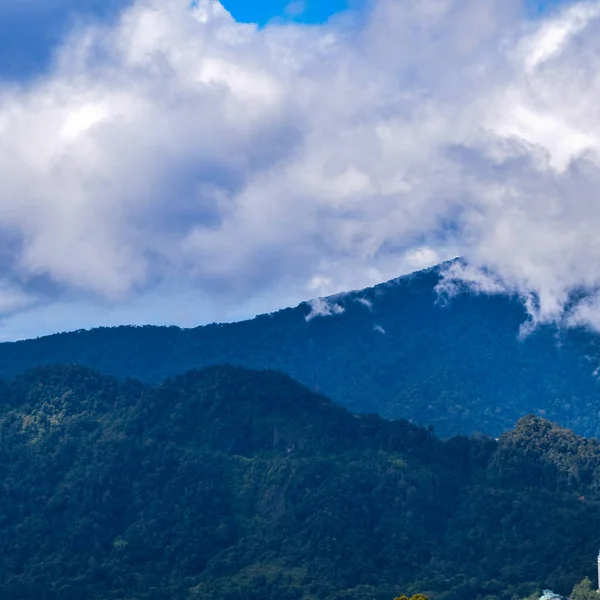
365	302
295	8
323	307
458	276
178	148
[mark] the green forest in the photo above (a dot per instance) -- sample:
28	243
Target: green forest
400	349
232	484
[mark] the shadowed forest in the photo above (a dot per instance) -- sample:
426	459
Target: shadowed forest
399	349
226	483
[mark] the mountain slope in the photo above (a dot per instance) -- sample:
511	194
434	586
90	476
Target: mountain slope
394	350
232	484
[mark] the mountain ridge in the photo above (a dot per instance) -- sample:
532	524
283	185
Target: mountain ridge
392	349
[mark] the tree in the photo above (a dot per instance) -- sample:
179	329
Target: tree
584	591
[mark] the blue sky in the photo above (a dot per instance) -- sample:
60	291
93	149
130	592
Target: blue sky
318	11
311	11
177	166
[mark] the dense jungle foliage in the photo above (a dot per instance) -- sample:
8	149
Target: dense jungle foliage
229	484
396	350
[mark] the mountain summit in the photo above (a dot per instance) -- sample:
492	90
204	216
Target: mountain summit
393	349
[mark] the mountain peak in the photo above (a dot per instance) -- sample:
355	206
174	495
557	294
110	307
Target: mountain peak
394	349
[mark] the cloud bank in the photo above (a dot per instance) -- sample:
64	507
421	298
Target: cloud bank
174	152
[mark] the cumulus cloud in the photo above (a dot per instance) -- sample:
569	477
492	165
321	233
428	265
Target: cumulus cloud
176	148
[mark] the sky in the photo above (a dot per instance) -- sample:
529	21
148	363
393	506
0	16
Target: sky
304	11
168	161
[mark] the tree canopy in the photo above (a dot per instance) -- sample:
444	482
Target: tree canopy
229	484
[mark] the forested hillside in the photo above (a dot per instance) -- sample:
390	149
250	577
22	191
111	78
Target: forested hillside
395	350
232	484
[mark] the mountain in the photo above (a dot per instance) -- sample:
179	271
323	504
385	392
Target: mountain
393	349
229	484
